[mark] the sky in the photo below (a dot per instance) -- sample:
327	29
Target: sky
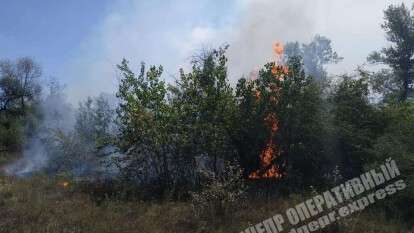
80	42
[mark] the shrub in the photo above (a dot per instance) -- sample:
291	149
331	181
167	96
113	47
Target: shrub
220	193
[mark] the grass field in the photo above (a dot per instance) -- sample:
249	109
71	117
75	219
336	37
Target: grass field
40	204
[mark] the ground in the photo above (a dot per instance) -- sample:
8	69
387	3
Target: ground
42	204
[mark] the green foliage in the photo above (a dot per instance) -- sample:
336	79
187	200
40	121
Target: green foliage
397	143
19	97
295	101
94	121
18	85
205	105
177	140
165	130
146	124
220	195
142	102
399	28
357	124
77	150
12	135
384	83
69	153
301	130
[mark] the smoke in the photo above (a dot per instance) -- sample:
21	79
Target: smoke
170	32
167	34
156	32
34	158
264	22
57	116
353	34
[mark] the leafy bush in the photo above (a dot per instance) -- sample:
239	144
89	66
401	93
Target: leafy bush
220	194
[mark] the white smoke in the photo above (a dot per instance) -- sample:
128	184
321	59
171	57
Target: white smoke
34	158
57	116
169	32
264	22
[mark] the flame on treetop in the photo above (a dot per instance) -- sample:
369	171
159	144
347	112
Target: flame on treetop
268	169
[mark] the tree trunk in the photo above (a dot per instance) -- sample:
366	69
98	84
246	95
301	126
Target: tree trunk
406	88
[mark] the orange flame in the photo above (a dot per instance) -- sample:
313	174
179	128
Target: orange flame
268	170
278	48
279	70
270	152
64	184
257	94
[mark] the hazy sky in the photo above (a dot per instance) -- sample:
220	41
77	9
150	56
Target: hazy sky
80	42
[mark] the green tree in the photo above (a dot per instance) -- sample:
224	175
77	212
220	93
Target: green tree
18	84
396	143
142	101
399	28
146	132
356	124
295	103
207	105
95	121
19	100
169	133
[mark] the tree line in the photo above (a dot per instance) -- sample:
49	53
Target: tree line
175	138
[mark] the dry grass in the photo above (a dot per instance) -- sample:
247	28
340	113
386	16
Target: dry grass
43	205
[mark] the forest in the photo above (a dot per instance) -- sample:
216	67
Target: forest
205	155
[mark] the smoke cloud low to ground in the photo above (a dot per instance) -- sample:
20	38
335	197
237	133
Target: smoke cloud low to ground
57	116
33	159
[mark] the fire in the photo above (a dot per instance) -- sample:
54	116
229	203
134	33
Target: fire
269	153
267	169
257	94
278	48
279	70
64	184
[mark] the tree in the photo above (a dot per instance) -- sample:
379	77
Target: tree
145	132
356	124
316	55
399	28
170	132
95	121
18	84
396	143
207	106
19	98
301	129
142	101
289	105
